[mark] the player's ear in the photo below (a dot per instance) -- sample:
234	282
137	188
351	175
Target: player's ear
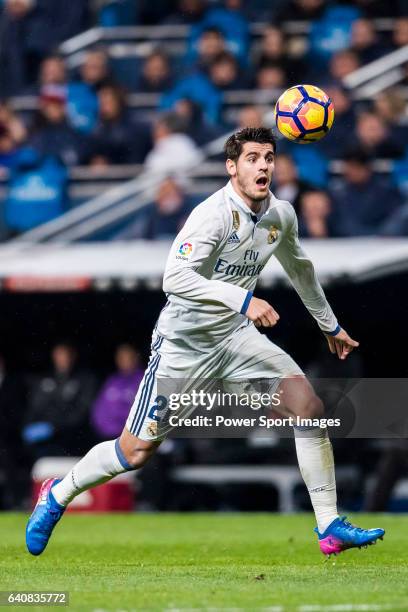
231	167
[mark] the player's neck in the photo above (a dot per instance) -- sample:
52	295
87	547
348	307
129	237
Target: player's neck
254	205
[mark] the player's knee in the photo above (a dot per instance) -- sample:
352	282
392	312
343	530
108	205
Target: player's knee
136	451
312	408
137	457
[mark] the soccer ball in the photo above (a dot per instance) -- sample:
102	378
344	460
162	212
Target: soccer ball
304	113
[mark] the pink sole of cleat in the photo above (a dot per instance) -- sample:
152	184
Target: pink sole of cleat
331	546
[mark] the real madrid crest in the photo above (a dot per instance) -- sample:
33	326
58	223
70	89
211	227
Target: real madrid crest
152	429
273	234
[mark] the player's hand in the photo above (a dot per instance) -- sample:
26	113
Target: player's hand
261	313
341	344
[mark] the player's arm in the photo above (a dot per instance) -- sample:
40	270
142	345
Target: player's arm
201	236
302	275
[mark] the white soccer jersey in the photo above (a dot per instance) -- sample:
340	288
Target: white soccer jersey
215	262
211	272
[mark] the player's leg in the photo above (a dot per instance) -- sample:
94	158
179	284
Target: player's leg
102	463
316	464
254	356
313	448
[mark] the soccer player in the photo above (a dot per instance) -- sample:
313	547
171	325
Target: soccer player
208	329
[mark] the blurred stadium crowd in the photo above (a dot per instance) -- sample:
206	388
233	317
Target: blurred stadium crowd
354	182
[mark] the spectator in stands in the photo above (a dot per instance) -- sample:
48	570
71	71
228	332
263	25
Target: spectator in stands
53	71
12	134
287	185
113	13
95	70
342	64
57	419
15	22
164	217
189	12
12	408
334	143
400	32
113	402
51	133
116	138
315	215
209	46
225	73
362	202
251	116
365	41
156	74
81	102
379	8
374	137
54	22
390	105
196	87
196	126
229	19
31	30
37	191
301	10
151	13
173	150
271	76
274	48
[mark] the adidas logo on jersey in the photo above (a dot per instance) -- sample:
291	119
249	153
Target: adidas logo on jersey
233	239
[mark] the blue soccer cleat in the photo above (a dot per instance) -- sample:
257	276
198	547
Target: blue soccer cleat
341	535
45	516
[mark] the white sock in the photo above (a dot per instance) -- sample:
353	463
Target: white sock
316	464
100	464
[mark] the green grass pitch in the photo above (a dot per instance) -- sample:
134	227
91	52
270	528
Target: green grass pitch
207	561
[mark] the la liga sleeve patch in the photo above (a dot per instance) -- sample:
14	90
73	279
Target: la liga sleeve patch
184	251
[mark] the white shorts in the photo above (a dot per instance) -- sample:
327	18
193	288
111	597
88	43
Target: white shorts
243	356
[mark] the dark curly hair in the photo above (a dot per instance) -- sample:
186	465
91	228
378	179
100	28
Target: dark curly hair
234	144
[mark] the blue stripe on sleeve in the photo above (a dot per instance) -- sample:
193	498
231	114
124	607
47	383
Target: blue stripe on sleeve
334	332
246	302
